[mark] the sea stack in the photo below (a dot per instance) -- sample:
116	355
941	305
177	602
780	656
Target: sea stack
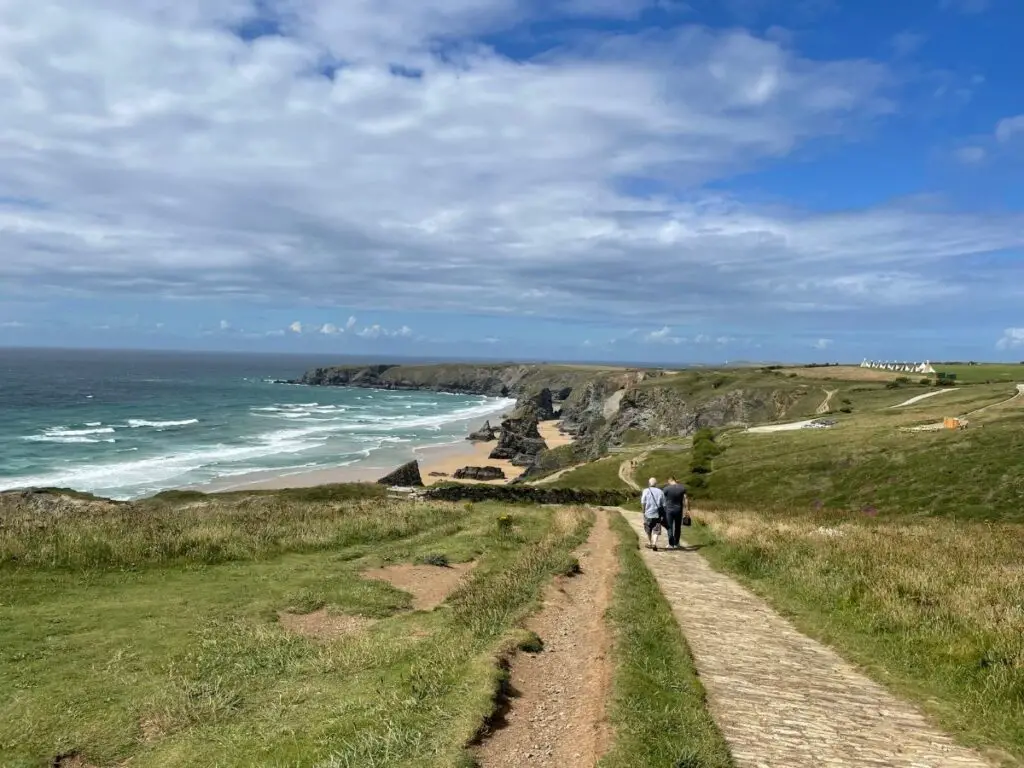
406	476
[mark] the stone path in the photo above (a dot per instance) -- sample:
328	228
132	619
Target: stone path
781	699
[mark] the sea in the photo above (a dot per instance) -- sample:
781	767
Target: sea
128	424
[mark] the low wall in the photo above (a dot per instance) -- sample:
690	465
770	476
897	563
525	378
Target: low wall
519	494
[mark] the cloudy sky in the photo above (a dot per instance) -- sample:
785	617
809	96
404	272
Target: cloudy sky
683	180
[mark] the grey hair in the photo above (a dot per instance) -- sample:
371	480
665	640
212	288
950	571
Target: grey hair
652	482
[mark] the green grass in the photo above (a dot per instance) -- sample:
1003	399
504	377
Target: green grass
932	609
984	372
658	707
969	474
602	474
148	632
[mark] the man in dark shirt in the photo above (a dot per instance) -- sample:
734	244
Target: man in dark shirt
676	501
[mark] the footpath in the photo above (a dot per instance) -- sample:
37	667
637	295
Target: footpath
781	698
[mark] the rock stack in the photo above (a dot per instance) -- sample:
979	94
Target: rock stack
406	476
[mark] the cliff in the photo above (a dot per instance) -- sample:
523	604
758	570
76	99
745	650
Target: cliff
495	380
601	407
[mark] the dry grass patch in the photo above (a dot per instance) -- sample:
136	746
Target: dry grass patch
323	625
847	373
429	585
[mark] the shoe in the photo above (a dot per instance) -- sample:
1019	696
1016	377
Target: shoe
654	547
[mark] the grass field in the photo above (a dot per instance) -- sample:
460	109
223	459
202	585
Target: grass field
602	474
933	609
247	629
984	372
151	632
900	549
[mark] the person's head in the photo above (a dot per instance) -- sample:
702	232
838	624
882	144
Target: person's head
671	479
652	482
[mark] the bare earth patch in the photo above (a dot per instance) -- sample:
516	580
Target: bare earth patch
429	585
322	625
846	373
70	760
556	714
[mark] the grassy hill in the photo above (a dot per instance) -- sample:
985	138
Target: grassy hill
901	548
255	629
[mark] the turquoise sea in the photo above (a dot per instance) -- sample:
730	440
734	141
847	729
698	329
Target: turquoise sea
129	424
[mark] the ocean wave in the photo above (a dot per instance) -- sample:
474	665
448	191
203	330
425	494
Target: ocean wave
140	423
153	473
68	439
69	432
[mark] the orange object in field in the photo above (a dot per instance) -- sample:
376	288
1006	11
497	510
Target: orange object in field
951	422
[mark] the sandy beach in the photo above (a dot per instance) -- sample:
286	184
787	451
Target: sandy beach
443	459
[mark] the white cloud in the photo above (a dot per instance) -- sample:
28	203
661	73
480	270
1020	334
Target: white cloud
225	325
377	332
971	155
13	324
1009	127
351	323
186	162
908	43
822	344
275	334
295	327
330	329
1012	338
662	336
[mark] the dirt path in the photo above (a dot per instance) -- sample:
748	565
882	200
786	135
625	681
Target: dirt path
827	402
919	398
781	698
557	705
629	466
552	477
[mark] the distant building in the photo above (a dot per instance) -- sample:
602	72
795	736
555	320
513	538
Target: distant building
925	367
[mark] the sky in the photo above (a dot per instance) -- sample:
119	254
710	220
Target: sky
656	180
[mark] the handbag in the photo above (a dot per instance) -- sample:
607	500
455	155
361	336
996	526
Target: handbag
687	520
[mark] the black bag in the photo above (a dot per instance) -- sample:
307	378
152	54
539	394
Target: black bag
687	520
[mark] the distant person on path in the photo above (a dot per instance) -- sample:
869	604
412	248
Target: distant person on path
653	502
676	503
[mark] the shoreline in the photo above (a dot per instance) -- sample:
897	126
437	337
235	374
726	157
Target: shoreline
444	458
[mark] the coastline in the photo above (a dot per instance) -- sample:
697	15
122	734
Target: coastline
444	458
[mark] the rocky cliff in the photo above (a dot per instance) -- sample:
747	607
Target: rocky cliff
600	407
495	380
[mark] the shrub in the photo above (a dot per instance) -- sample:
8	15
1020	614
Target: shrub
846	409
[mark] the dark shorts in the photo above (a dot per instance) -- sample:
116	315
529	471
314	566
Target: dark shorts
652	525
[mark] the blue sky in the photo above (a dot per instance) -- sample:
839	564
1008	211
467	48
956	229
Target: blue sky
656	180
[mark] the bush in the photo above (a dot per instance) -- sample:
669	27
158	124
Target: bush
846	409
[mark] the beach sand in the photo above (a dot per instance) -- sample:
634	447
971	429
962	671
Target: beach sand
441	458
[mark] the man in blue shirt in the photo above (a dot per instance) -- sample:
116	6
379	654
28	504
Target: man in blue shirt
653	502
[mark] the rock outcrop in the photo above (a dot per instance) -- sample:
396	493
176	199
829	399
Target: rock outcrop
539	405
520	441
480	473
485	434
406	476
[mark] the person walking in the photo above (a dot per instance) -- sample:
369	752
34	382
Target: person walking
676	504
653	502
